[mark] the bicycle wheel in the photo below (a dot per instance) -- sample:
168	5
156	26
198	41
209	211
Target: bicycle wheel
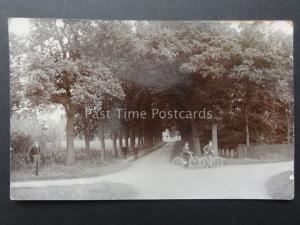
203	162
195	161
217	162
178	161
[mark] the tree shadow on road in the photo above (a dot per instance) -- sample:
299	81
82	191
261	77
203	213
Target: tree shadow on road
281	186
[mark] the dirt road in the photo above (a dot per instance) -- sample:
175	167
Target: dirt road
154	177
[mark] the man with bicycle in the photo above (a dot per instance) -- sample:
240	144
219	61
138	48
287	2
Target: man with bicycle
209	152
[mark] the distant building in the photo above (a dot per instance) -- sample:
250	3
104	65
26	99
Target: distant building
168	136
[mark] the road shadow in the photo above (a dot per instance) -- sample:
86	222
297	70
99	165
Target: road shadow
280	186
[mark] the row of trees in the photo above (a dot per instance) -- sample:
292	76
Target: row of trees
242	74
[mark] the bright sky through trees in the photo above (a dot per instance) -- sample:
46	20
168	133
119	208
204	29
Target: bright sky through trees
21	26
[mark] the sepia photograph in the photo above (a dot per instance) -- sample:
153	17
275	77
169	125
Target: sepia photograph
135	110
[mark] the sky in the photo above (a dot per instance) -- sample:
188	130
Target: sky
21	26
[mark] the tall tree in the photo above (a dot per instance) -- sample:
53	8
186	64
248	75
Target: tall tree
60	74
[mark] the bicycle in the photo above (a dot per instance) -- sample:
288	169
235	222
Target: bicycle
210	162
180	161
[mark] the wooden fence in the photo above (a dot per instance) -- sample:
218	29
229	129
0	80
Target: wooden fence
264	151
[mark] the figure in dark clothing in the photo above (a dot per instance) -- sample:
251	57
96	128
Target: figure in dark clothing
35	157
124	152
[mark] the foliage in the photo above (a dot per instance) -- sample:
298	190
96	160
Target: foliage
242	73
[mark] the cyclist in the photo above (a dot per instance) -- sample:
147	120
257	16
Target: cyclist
186	154
209	152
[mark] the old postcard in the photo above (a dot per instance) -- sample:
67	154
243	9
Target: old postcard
151	109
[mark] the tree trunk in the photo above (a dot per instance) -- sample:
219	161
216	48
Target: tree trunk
87	147
195	139
102	139
87	143
120	143
70	137
247	128
274	122
148	141
140	140
126	140
288	126
114	140
148	134
132	138
261	138
215	138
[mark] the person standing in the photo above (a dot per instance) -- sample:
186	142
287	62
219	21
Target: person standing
35	156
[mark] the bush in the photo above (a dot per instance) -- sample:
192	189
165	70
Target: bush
20	146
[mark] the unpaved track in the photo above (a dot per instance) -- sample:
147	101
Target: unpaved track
154	177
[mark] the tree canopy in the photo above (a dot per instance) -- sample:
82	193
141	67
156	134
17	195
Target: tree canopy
241	71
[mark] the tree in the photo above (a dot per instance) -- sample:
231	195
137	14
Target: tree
60	74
